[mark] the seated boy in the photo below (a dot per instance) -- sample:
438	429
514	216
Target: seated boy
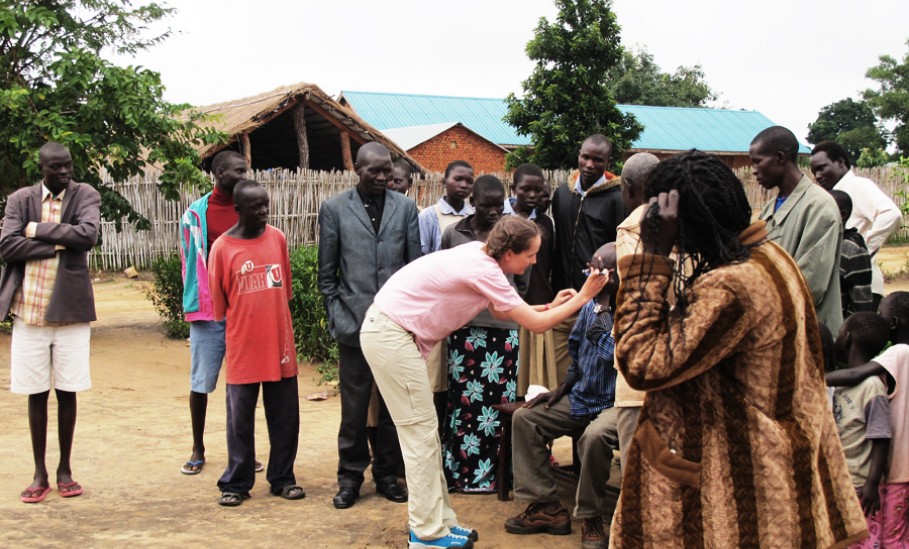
249	275
855	263
590	387
862	412
894	365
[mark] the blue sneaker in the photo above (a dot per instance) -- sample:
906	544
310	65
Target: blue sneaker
451	541
459	530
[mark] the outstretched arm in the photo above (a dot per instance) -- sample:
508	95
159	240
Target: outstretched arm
850	377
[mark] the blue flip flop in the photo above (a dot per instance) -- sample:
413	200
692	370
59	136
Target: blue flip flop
189	467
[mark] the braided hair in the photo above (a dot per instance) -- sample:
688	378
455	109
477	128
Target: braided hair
713	212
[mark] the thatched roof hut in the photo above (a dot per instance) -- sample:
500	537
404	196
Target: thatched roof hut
293	126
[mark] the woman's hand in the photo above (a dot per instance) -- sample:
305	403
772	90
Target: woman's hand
660	226
594	284
562	297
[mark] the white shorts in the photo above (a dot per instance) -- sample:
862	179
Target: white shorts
36	351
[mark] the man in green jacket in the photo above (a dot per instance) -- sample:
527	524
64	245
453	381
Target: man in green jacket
803	219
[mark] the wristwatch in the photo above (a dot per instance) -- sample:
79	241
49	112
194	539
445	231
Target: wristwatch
600	309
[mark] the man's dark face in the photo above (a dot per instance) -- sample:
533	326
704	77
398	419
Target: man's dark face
252	209
592	161
227	177
528	191
768	167
57	169
400	180
827	172
489	208
375	172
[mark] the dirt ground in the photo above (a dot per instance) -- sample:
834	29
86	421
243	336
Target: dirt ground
133	434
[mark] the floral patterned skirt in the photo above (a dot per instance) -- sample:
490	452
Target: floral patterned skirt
482	371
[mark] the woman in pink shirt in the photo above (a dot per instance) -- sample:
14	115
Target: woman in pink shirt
420	305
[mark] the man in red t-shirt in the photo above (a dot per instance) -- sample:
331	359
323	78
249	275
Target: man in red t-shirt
249	276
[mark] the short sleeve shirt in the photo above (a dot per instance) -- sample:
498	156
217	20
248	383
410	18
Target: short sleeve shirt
441	292
896	361
862	414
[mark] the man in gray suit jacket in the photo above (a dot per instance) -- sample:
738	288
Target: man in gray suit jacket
365	235
48	229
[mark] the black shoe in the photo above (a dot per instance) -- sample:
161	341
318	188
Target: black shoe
345	498
392	491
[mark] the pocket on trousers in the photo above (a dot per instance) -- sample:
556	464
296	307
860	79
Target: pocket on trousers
421	404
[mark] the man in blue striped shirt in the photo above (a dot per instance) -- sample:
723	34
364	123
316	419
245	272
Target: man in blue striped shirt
590	387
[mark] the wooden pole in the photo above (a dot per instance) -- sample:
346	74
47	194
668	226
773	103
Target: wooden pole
345	152
247	149
300	128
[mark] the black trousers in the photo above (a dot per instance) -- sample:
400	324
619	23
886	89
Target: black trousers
355	383
282	414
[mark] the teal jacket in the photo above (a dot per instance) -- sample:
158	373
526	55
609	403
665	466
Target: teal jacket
197	304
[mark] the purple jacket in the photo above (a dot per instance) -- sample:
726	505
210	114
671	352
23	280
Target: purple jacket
72	299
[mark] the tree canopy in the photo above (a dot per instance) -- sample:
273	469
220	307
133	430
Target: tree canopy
638	80
567	97
850	123
890	101
56	86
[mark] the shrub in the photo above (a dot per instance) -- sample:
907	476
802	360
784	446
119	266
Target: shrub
307	311
166	294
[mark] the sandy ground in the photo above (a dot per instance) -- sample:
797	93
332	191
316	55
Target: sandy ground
133	434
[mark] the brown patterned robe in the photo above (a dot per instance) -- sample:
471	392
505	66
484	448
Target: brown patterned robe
736	446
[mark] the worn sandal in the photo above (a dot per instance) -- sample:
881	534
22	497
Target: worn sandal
69	489
231	499
292	491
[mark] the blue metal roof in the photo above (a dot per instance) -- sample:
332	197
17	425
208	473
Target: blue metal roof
398	110
665	128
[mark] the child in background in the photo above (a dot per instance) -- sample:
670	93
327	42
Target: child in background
401	177
855	263
537	355
482	365
862	415
894	364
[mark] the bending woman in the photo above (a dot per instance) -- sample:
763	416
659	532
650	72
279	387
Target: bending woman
420	305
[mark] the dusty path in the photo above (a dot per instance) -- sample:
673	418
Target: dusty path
133	434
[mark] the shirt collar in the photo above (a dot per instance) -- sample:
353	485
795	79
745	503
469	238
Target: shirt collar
509	208
580	190
447	208
368	198
45	192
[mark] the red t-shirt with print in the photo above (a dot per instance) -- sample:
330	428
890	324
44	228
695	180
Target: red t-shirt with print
250	285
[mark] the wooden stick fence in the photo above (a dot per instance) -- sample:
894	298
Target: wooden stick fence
295	200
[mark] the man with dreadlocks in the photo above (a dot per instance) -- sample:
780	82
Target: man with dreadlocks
803	219
736	446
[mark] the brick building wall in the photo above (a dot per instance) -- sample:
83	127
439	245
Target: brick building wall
459	143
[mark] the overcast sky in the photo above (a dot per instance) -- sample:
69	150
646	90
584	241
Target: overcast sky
784	58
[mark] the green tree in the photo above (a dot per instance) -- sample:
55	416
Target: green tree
566	98
638	80
850	123
891	100
55	85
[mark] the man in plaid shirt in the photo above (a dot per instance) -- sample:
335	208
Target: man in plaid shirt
48	229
